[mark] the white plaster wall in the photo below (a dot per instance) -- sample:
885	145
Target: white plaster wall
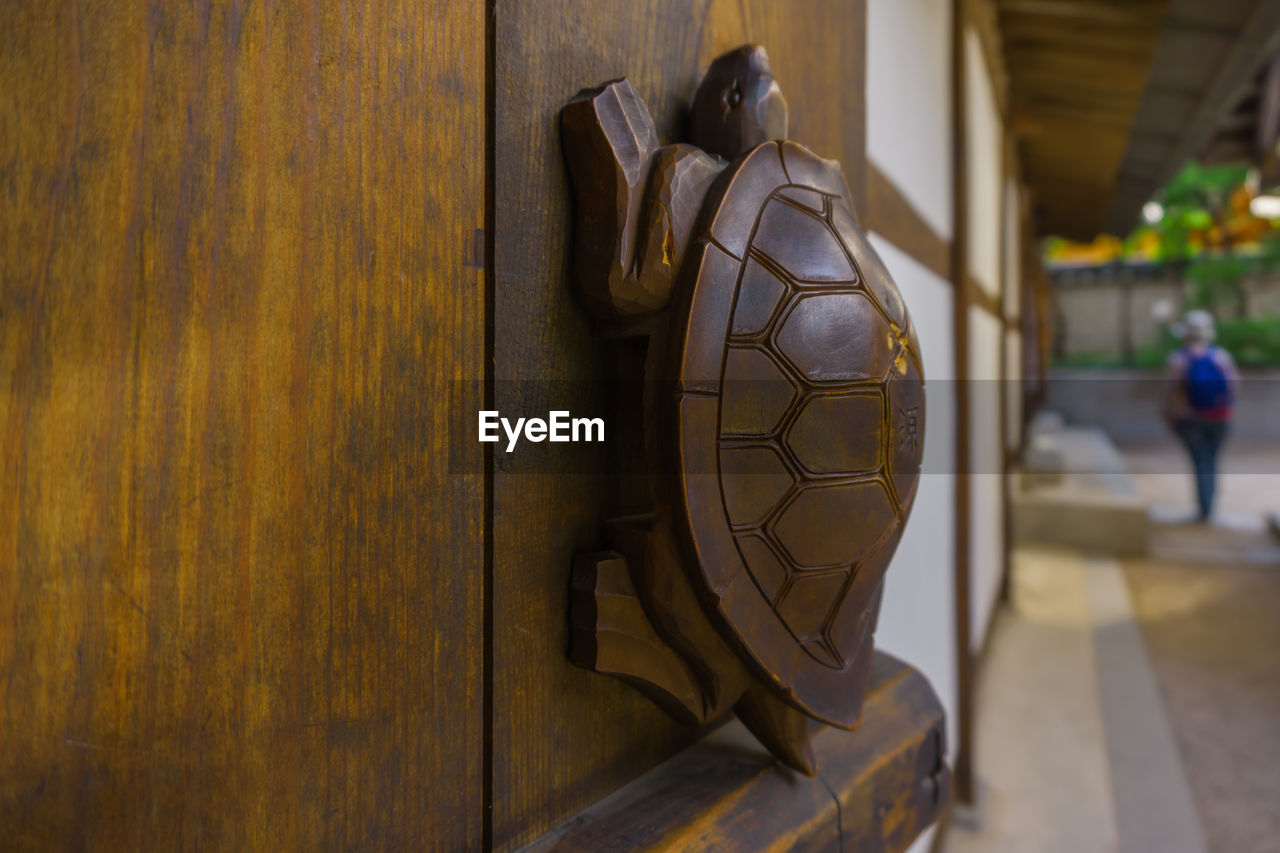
1012	249
985	341
985	159
917	616
909	127
1013	388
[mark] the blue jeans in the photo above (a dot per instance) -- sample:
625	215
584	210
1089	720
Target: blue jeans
1203	439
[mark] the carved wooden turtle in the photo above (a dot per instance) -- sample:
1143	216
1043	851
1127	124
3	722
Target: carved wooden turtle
782	410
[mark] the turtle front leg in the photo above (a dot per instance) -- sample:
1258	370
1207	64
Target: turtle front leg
612	635
635	202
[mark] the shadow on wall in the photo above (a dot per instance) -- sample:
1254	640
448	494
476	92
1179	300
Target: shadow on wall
1128	404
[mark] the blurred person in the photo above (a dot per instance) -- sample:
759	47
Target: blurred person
1202	385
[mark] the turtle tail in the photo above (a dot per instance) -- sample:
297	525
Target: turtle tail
783	730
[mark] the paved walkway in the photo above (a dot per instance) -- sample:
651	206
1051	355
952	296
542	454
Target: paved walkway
1135	706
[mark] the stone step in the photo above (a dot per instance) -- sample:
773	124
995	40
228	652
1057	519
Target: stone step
1076	491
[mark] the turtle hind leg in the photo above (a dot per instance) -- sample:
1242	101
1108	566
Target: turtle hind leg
783	730
636	202
609	145
612	635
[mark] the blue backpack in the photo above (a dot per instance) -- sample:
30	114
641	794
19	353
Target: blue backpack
1206	382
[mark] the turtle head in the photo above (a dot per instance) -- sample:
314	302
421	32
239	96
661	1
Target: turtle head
738	105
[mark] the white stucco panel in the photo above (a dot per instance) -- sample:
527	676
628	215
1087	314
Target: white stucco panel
985	160
909	128
917	616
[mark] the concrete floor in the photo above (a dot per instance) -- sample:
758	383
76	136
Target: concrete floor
1043	771
1135	706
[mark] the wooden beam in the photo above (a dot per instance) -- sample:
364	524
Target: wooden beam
1091	10
1093	82
1120	109
984	19
1006	157
965	790
1258	34
1226	150
1268	114
1015	27
1070	59
891	215
877	788
1031	113
984	299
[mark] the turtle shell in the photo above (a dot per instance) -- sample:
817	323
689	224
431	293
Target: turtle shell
798	425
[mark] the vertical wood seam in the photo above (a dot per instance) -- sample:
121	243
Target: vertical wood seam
490	245
960	266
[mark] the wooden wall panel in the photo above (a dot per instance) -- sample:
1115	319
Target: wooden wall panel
563	737
241	544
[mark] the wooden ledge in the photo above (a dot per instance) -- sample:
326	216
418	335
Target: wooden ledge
879	787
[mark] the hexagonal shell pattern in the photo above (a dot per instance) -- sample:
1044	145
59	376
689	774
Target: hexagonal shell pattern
756	393
833	525
839	434
785	293
754	481
837	337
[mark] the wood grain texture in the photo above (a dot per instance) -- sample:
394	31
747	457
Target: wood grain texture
240	556
877	789
564	737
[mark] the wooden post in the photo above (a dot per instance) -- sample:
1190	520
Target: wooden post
964	788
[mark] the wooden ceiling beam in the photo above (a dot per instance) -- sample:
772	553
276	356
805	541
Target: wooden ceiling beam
1092	87
1102	86
1228	150
1075	115
1022	54
1267	112
1034	42
1012	23
1083	47
1237	122
1078	73
1103	103
1034	124
1149	12
1255	34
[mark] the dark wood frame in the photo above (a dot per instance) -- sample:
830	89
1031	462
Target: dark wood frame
964	289
891	215
490	353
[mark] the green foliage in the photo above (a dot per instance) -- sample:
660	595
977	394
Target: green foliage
1252	342
1204	187
1217	282
1196	200
1193	201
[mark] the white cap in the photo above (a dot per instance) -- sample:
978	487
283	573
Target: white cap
1198	326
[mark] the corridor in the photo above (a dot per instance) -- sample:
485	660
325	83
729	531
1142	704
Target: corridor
1130	705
